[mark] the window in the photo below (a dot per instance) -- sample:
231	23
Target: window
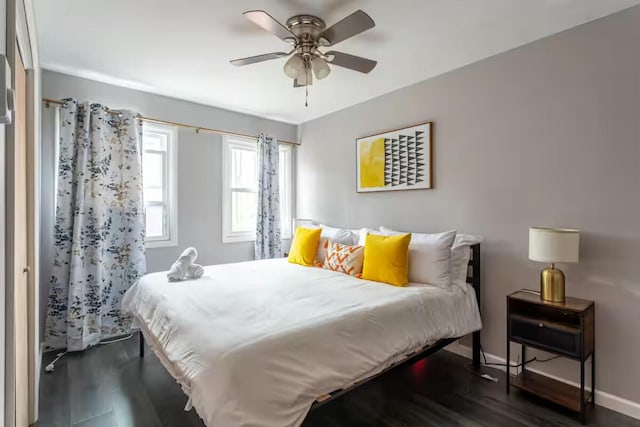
159	175
240	189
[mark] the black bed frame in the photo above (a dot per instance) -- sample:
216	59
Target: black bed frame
473	278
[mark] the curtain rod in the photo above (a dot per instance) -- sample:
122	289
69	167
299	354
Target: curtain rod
198	129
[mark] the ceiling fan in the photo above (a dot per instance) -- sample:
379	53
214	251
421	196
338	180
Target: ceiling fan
307	34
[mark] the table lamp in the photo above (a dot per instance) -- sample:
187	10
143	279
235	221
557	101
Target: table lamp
553	245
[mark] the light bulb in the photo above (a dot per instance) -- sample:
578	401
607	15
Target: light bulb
294	66
320	68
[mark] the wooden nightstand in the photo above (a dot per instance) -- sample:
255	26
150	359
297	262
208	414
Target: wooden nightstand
566	329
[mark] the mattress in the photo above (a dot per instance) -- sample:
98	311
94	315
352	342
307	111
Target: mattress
255	343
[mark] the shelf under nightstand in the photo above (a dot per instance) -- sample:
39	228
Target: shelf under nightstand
549	389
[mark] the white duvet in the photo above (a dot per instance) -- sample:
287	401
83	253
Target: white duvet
255	343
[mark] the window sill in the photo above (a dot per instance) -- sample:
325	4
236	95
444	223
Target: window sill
237	239
240	239
152	244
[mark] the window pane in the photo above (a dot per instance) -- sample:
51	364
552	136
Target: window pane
155	141
243	211
153	169
153	194
243	168
155	220
158	180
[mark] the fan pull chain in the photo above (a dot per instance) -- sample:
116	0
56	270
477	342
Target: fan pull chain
306	87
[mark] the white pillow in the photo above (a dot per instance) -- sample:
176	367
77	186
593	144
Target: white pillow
362	235
338	235
466	240
429	257
460	254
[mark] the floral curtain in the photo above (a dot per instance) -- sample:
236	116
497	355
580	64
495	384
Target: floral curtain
268	243
99	228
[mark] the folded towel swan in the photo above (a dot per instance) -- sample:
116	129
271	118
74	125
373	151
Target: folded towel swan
185	267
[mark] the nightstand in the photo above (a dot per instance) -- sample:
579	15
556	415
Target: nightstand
566	329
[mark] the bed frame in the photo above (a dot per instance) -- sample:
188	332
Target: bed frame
473	278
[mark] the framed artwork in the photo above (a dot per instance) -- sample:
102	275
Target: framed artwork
395	160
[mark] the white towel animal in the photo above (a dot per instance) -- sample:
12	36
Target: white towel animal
180	268
195	271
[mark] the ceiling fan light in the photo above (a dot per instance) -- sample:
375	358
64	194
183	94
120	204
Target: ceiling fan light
305	78
320	67
294	66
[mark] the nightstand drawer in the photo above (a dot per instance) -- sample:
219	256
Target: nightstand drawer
551	336
551	314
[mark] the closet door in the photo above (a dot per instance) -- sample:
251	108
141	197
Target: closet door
20	242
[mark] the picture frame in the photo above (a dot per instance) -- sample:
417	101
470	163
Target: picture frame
395	160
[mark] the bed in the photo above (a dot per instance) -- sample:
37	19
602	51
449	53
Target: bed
261	343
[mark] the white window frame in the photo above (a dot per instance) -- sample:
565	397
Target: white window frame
170	184
286	198
232	141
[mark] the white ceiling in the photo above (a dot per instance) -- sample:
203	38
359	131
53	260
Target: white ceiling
182	48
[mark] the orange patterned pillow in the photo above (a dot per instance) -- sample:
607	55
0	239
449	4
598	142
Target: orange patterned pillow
343	258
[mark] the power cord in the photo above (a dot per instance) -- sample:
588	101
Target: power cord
116	339
468	366
518	364
52	366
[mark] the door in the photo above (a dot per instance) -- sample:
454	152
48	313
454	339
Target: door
20	267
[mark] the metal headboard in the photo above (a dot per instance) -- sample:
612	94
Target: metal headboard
473	278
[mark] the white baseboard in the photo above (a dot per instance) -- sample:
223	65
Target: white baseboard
607	400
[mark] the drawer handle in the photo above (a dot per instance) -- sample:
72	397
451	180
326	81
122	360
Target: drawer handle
540	325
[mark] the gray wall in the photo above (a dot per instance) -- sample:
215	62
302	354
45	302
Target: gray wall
547	134
199	168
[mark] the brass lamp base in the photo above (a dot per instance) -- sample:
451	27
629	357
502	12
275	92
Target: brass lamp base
552	284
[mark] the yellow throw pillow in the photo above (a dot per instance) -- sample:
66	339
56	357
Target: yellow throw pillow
386	259
304	246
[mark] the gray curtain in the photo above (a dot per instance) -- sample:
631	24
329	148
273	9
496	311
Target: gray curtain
268	242
99	229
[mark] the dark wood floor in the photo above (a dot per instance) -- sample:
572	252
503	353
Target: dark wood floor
110	386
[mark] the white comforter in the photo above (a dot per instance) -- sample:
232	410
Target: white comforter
255	343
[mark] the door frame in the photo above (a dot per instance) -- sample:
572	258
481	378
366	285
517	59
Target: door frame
20	20
34	106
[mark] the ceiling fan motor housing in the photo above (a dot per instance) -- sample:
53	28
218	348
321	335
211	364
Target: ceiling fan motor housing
306	27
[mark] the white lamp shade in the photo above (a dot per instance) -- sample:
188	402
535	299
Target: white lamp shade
320	68
554	244
294	66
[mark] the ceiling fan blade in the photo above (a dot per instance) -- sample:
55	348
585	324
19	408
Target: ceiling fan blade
258	58
353	24
269	23
352	62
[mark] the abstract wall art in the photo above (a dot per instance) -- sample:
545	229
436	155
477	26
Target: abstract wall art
395	160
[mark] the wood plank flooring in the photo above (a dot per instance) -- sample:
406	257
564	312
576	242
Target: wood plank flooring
109	386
